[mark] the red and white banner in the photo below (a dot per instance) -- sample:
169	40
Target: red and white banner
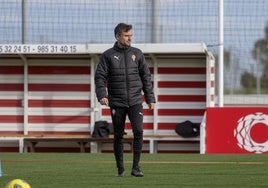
237	130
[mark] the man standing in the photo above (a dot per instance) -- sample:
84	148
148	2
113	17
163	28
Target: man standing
125	73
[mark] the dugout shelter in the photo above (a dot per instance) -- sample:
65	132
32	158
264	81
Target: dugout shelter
48	89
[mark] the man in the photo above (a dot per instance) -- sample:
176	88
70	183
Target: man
124	71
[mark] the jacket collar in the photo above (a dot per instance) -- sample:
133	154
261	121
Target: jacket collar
117	48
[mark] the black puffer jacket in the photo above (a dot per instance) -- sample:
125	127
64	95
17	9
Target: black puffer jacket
126	74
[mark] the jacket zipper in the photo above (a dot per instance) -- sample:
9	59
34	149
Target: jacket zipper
126	72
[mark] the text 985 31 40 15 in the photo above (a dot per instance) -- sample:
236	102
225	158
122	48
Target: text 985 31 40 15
42	48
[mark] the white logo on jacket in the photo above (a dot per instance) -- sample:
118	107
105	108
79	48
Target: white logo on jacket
116	57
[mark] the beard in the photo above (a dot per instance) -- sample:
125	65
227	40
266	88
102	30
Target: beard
125	44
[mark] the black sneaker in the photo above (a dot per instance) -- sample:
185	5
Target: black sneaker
136	172
121	172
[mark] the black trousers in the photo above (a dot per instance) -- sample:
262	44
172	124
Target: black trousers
135	115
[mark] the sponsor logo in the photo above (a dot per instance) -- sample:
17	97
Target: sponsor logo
116	57
243	132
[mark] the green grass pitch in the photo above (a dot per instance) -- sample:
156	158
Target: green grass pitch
68	170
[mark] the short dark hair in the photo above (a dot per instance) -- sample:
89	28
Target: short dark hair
122	27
